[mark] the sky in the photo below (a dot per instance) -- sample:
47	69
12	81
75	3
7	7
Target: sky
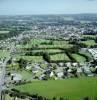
22	7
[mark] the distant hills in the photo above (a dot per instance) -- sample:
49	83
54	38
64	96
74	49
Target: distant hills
62	17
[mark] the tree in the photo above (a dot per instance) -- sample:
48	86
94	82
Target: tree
51	42
22	63
86	98
54	98
96	40
46	57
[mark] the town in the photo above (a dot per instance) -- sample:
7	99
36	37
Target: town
43	48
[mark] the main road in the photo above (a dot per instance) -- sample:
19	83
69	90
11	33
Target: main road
3	71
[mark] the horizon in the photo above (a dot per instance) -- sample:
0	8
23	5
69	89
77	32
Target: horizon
49	14
47	7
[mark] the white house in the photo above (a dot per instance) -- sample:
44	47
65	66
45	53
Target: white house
60	74
52	74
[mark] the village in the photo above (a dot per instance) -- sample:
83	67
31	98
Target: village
55	71
47	51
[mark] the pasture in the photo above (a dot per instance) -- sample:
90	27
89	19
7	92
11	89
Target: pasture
73	89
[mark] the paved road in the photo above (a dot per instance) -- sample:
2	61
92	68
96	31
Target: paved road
3	71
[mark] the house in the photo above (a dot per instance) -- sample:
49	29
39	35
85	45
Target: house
69	70
79	71
61	64
60	74
75	64
87	71
35	70
16	77
28	67
68	64
52	74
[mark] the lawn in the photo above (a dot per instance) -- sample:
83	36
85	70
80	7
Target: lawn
38	41
91	36
42	43
61	56
56	46
7	97
86	54
60	42
4	53
31	58
74	89
78	58
47	50
33	42
4	32
25	74
89	42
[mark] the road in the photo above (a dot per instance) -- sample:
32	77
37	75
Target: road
94	53
3	71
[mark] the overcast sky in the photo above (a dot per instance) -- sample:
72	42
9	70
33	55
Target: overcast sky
17	7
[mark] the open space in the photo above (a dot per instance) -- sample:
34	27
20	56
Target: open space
4	32
73	89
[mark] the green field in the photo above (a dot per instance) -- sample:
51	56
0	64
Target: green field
73	89
56	46
47	50
89	42
4	53
4	32
86	54
60	56
44	46
31	58
42	43
7	97
78	58
56	50
89	36
25	74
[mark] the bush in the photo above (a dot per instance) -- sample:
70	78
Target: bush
86	98
54	98
46	57
70	56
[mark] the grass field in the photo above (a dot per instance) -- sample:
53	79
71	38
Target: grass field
86	54
79	58
89	42
4	32
73	89
48	50
55	50
56	46
91	36
31	58
62	56
4	53
7	97
25	74
38	41
42	43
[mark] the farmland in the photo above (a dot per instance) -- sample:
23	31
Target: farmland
79	58
73	89
56	50
4	32
3	53
51	57
89	42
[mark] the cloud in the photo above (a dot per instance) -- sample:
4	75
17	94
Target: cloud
91	0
